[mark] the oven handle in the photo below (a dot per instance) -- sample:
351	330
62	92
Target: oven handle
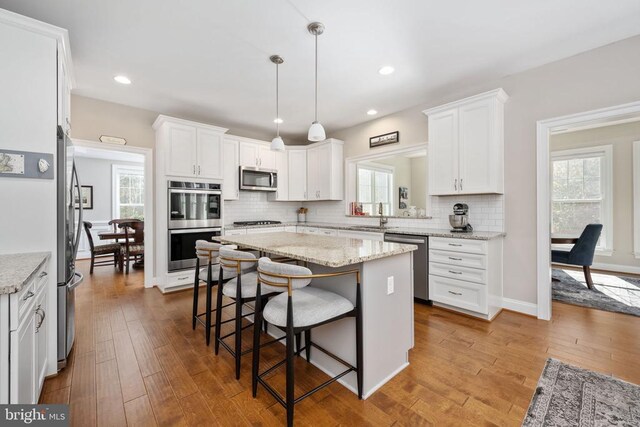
185	191
194	230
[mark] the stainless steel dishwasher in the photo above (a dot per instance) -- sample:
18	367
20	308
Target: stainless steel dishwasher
420	263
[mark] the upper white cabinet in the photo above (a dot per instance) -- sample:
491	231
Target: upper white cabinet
282	166
231	185
257	154
325	170
297	165
188	149
466	145
64	92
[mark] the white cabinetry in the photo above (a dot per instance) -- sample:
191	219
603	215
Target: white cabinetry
466	275
282	166
26	346
297	174
188	149
325	170
257	154
466	145
231	171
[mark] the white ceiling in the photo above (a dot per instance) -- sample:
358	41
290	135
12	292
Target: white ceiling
208	59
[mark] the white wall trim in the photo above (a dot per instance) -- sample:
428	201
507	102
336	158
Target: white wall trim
149	201
636	199
520	306
543	223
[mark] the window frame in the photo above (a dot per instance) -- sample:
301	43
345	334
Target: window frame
116	170
606	187
377	167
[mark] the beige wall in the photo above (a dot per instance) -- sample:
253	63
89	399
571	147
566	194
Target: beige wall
621	137
419	179
599	78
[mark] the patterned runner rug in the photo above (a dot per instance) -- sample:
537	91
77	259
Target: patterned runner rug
570	396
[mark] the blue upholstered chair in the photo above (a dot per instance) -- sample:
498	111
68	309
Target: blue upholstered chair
582	252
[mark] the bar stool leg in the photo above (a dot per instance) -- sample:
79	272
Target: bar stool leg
255	365
196	283
307	344
359	342
290	353
238	323
298	344
207	322
216	343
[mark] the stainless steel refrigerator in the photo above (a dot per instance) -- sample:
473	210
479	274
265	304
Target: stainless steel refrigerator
69	229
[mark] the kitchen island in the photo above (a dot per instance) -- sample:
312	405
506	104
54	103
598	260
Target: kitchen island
387	299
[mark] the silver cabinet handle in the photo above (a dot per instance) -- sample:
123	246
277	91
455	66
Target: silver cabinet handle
455	244
460	184
183	278
455	272
455	293
238	193
39	310
455	259
42	274
28	295
455	184
305	194
194	169
198	169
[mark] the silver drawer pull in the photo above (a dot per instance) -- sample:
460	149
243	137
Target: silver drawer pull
455	259
455	293
28	295
455	272
183	278
455	244
42	274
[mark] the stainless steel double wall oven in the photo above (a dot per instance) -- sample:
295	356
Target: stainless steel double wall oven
194	213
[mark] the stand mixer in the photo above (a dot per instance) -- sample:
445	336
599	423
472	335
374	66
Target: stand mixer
460	219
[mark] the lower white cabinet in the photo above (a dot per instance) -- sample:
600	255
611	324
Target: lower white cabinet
27	336
364	235
466	275
264	230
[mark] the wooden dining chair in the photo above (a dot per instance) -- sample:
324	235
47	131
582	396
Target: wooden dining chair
107	254
133	245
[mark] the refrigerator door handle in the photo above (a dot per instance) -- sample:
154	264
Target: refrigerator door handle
76	282
76	243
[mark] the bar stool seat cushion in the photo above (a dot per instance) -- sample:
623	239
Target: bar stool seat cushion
249	283
108	248
310	306
215	273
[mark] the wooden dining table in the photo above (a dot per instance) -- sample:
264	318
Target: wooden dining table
564	240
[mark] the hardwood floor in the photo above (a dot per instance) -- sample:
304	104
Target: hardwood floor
137	361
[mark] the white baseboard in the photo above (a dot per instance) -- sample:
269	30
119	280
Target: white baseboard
616	268
520	306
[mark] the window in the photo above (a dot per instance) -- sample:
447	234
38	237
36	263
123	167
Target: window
375	184
128	191
582	193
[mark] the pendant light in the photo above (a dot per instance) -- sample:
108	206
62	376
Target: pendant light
277	144
316	131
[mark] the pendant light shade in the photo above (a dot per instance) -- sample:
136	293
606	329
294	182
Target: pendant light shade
277	144
316	131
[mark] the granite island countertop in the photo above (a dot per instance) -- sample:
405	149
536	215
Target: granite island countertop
416	231
330	251
16	270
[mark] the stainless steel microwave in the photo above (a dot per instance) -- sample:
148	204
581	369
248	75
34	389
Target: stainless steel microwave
258	179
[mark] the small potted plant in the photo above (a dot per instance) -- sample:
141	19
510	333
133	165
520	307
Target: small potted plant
302	214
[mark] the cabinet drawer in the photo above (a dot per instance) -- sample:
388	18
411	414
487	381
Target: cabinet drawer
458	258
458	293
458	245
457	272
327	232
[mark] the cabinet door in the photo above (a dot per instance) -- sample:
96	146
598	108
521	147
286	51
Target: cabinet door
443	153
181	150
23	361
209	154
64	108
282	166
249	154
313	173
298	175
41	339
477	148
324	172
230	186
266	158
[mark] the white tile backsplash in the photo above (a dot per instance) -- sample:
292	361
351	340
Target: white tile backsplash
255	205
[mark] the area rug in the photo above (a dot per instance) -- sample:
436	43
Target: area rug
612	293
570	396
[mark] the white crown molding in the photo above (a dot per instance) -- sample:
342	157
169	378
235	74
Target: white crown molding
162	119
499	94
48	30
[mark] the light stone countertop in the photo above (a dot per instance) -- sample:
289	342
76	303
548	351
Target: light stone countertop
16	270
416	231
329	251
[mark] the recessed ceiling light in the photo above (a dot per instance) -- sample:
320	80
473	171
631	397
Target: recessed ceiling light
372	112
277	120
122	79
386	70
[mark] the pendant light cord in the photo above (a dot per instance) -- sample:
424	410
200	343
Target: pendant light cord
277	100
316	95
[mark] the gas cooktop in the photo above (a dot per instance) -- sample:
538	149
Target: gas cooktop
257	222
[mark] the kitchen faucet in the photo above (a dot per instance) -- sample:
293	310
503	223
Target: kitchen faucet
383	220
